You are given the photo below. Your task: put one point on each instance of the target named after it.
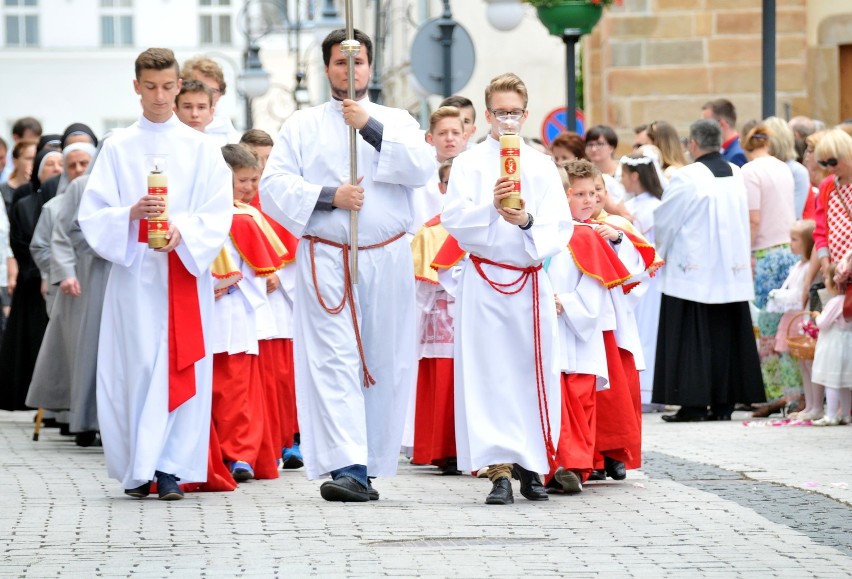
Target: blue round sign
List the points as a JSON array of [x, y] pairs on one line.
[[557, 122]]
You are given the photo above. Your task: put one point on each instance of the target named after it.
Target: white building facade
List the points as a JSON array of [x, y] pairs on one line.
[[67, 61]]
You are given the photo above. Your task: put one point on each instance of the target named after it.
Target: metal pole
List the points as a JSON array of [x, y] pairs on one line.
[[768, 73], [570, 38], [249, 116], [378, 48], [447, 25], [350, 48]]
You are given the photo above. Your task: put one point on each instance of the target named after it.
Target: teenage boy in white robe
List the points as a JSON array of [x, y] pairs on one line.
[[351, 399], [153, 398], [507, 392]]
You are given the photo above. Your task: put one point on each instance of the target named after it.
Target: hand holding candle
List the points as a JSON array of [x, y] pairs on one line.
[[510, 160], [158, 186]]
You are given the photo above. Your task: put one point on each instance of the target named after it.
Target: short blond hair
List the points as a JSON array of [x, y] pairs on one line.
[[205, 67], [508, 82], [442, 113], [834, 144]]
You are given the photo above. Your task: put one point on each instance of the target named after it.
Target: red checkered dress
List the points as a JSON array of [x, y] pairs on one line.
[[839, 221]]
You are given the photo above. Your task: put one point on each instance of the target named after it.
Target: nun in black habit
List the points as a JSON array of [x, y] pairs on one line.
[[28, 318]]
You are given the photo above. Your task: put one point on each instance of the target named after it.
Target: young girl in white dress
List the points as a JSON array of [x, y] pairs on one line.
[[787, 300], [833, 356], [639, 176]]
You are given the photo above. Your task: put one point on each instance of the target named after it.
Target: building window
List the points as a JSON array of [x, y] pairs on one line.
[[215, 22], [21, 22], [116, 22]]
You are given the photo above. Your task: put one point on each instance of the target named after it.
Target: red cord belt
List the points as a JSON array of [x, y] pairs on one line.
[[347, 290], [527, 273]]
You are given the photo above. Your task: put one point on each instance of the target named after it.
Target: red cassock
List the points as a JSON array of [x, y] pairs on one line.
[[576, 448], [280, 351], [276, 363], [434, 417], [245, 400], [239, 413], [580, 428], [619, 409]]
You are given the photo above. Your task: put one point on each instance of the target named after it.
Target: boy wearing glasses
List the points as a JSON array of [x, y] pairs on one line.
[[507, 395]]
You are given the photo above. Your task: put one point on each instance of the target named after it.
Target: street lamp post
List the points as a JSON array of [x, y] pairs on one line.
[[571, 37], [253, 80], [446, 24]]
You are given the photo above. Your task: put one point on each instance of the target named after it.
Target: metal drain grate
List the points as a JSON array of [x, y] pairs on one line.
[[451, 542]]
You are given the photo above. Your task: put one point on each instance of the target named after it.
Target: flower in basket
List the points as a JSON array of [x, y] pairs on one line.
[[549, 3], [809, 328]]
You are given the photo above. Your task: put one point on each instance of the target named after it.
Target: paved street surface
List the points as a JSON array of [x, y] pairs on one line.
[[714, 500]]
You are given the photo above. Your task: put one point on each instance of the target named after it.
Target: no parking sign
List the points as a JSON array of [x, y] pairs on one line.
[[557, 122]]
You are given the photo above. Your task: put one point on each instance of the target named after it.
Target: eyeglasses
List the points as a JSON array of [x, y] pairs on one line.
[[513, 113], [596, 144], [828, 163]]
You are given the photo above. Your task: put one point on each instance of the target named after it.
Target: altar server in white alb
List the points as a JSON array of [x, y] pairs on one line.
[[154, 369], [354, 344], [507, 393]]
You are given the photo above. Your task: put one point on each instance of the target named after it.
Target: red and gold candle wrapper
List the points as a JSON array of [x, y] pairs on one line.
[[510, 166], [158, 227]]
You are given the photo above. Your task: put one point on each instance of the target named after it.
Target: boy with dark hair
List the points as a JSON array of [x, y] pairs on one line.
[[154, 369], [194, 105]]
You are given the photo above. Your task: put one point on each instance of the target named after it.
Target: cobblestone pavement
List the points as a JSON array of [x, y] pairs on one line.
[[714, 500]]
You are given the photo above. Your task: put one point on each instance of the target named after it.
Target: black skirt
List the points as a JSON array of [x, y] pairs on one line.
[[21, 343], [706, 355]]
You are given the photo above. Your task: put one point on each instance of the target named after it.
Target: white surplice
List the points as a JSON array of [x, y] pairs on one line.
[[647, 309], [498, 419], [702, 231], [139, 434], [341, 422], [581, 343]]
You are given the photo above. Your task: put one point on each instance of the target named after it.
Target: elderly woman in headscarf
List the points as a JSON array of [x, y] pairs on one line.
[[76, 159], [28, 318]]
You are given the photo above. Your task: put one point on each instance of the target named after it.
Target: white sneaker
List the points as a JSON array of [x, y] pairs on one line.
[[810, 415], [569, 480], [826, 421]]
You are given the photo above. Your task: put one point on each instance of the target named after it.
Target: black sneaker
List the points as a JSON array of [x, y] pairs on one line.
[[374, 494], [139, 492], [167, 487], [501, 493], [344, 490], [531, 487]]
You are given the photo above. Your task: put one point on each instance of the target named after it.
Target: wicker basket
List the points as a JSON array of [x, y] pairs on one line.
[[801, 346]]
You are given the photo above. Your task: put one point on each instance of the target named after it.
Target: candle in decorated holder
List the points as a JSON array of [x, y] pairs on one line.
[[158, 184], [510, 159]]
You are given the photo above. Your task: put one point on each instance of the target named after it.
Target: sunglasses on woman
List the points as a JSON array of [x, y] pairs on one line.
[[828, 163]]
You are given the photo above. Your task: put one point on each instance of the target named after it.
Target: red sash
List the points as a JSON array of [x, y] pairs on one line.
[[186, 334]]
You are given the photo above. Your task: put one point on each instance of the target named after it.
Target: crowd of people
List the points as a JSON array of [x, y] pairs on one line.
[[200, 303]]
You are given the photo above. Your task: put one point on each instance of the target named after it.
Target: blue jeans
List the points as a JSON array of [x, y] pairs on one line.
[[356, 472]]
